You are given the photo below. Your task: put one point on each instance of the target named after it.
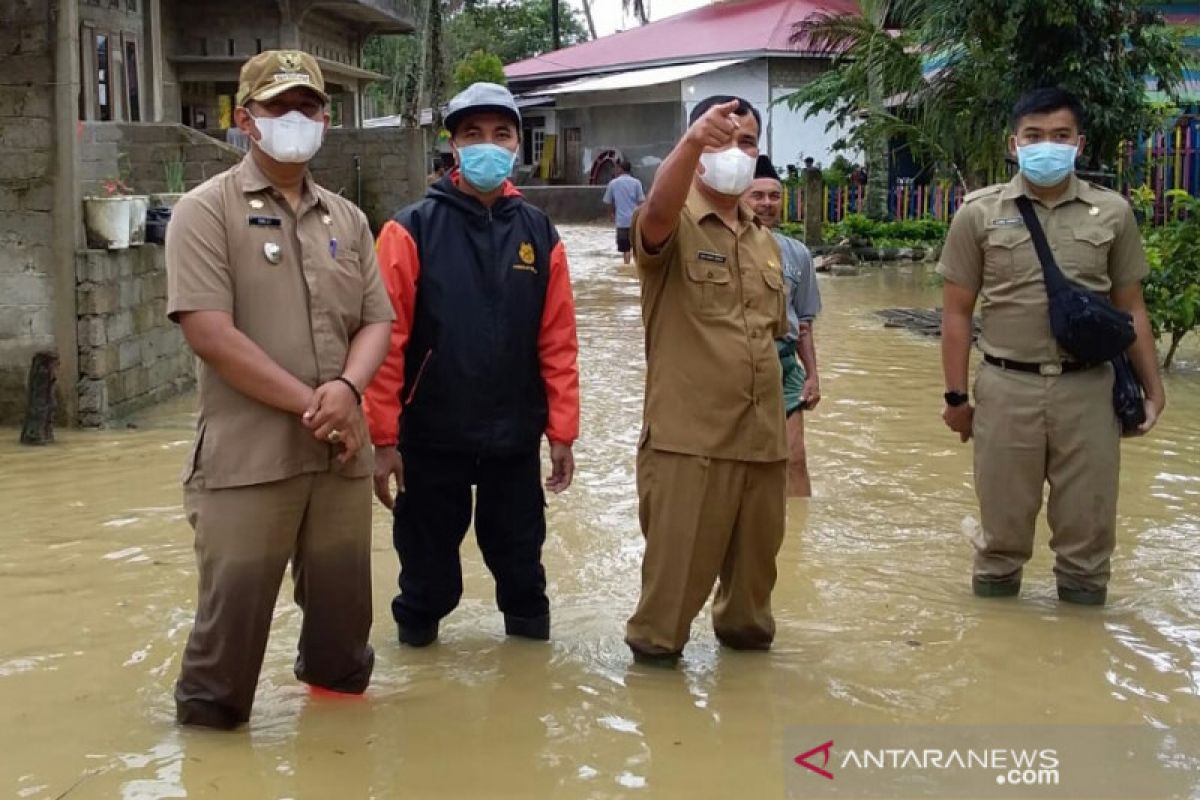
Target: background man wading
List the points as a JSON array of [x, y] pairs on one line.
[[801, 386]]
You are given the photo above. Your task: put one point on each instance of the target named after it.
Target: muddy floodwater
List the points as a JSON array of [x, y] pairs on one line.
[[877, 624]]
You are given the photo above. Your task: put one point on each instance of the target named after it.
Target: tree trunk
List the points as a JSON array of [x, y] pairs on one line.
[[39, 406], [435, 70], [1176, 336], [876, 201], [591, 23]]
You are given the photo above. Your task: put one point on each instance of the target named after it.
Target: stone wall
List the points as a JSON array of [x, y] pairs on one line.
[[136, 153], [565, 204], [130, 355], [27, 193], [390, 166]]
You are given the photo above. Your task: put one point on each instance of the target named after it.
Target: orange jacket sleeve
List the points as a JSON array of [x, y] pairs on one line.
[[400, 266], [558, 350]]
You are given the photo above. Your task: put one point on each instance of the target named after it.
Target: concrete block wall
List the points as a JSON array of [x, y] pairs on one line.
[[136, 152], [130, 355], [390, 167], [27, 173], [574, 204]]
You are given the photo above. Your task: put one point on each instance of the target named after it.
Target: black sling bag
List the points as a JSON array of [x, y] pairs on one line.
[[1089, 327]]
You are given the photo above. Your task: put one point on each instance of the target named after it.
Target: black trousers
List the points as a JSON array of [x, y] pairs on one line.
[[432, 516]]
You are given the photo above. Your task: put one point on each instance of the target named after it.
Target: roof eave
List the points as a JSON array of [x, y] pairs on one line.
[[570, 74]]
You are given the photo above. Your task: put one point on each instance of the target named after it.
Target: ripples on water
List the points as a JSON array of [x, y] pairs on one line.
[[876, 620]]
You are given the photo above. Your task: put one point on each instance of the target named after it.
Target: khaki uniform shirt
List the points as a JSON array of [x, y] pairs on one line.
[[1092, 233], [713, 305], [302, 311]]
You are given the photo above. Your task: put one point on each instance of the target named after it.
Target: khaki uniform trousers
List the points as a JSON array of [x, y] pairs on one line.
[[1030, 430], [704, 518], [245, 537]]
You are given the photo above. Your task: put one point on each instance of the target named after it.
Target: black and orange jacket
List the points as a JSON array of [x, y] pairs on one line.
[[483, 357]]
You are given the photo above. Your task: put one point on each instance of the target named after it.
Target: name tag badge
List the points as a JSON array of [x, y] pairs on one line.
[[1006, 222], [265, 222], [715, 258]]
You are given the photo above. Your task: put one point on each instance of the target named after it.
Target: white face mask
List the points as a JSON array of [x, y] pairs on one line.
[[728, 171], [291, 139]]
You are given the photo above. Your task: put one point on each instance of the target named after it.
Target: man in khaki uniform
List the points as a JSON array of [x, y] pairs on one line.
[[712, 454], [1039, 416], [275, 284]]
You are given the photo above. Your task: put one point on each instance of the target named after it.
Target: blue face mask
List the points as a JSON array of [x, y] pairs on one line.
[[486, 166], [1047, 163]]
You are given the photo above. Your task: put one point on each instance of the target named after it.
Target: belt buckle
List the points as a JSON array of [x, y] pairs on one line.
[[1050, 370]]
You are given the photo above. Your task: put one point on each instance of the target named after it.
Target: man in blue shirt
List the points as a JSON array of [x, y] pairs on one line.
[[624, 194], [801, 387]]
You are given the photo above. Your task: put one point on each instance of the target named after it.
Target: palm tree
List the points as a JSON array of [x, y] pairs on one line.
[[587, 15], [873, 63], [640, 9]]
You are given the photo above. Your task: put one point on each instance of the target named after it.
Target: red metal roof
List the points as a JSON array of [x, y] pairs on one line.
[[721, 30]]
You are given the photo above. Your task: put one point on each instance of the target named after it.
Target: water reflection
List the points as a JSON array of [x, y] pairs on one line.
[[876, 621]]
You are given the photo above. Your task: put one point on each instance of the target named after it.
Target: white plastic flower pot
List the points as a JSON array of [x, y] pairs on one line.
[[106, 220], [138, 204]]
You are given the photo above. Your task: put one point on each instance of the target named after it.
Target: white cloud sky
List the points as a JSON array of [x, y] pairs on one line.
[[609, 18]]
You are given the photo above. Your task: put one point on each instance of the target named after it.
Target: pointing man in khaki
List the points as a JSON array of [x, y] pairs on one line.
[[275, 284], [713, 452]]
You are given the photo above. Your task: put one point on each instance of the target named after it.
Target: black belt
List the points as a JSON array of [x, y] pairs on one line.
[[1053, 368]]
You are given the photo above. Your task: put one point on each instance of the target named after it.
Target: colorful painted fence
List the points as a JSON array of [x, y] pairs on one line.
[[905, 201], [1164, 161]]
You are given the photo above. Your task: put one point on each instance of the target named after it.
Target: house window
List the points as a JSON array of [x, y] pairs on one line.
[[132, 83], [539, 144], [131, 6], [103, 79]]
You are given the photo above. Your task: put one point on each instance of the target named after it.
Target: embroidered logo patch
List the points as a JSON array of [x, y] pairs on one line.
[[526, 253]]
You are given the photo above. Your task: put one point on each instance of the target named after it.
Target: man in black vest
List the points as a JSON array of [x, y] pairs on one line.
[[482, 363]]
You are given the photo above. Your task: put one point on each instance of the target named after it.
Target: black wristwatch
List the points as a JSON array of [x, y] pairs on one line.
[[955, 399]]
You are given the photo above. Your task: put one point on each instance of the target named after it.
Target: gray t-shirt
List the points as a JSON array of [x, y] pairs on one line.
[[804, 298], [624, 193]]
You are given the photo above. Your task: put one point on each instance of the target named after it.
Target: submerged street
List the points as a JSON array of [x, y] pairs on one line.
[[876, 621]]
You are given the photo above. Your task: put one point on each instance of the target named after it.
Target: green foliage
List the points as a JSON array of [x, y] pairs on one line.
[[173, 175], [858, 226], [398, 58], [479, 66], [1172, 289], [838, 173], [987, 53], [512, 29]]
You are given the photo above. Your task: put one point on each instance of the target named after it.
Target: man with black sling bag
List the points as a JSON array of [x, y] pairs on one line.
[[1043, 407]]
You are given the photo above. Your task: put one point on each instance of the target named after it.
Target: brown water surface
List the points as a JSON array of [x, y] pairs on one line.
[[876, 621]]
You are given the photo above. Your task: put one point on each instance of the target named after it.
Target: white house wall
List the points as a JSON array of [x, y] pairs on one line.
[[789, 136], [643, 123]]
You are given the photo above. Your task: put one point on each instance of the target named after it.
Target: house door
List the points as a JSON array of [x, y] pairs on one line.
[[573, 154]]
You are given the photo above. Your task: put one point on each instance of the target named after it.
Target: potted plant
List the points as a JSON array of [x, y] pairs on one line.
[[173, 174], [138, 205], [106, 216]]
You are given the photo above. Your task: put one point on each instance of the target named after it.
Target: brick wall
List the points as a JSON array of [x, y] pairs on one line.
[[27, 174], [390, 165], [130, 355]]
